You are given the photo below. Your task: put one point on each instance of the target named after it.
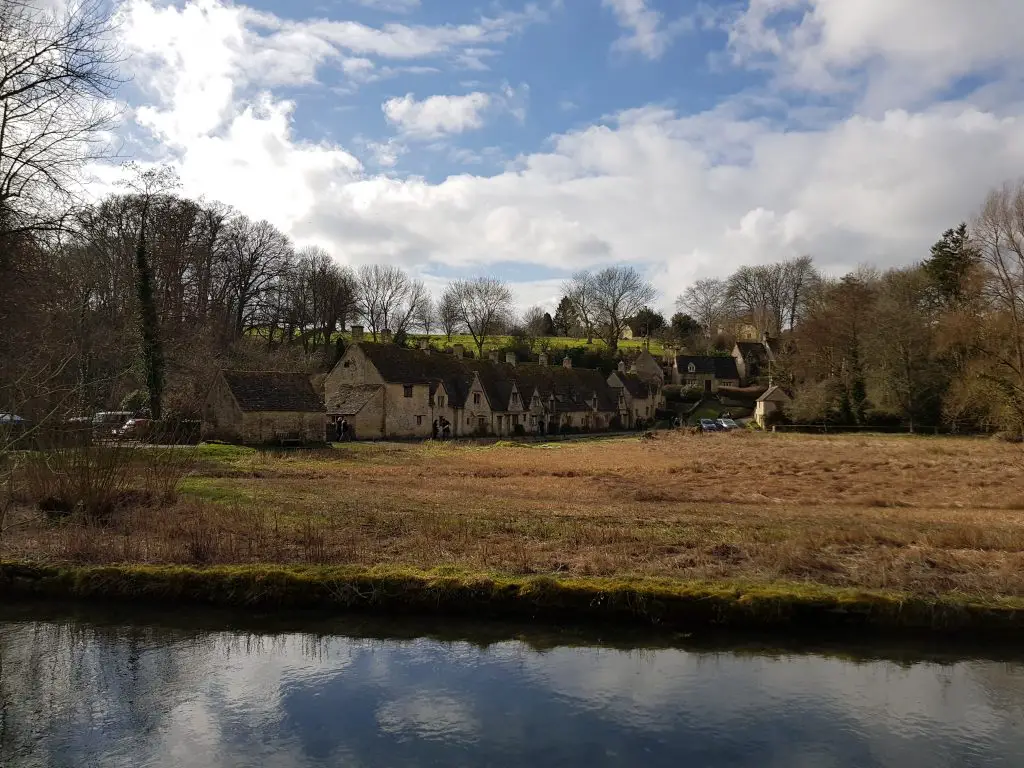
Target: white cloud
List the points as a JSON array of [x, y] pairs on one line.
[[645, 32], [683, 195], [899, 49], [392, 6], [437, 115]]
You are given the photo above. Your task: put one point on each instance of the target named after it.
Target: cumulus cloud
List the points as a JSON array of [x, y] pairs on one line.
[[681, 195], [437, 115]]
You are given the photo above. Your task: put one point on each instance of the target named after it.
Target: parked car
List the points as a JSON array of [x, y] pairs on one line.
[[709, 425], [135, 429], [728, 424], [106, 423]]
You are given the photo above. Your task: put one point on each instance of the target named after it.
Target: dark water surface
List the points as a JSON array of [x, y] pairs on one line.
[[78, 690]]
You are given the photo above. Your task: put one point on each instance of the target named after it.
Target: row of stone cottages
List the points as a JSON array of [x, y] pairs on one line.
[[388, 391]]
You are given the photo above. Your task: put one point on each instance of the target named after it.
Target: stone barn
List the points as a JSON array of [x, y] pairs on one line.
[[264, 408]]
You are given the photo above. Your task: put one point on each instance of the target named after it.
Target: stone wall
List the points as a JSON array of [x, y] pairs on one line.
[[222, 418], [408, 416], [267, 427]]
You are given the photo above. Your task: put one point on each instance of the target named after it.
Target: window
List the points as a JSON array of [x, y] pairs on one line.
[[440, 401], [647, 410], [476, 398], [515, 421], [419, 421], [407, 390], [482, 423], [515, 398], [691, 368]]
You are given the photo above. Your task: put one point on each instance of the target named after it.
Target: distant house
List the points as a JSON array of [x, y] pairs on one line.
[[773, 400], [705, 372], [754, 358], [648, 368], [385, 390], [263, 407], [638, 398]]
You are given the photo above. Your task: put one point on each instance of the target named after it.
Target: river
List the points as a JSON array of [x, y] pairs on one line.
[[79, 689]]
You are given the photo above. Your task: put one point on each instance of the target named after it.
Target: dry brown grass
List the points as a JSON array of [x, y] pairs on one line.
[[926, 515]]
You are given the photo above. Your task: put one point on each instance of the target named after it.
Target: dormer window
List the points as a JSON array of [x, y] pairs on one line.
[[691, 368], [476, 398]]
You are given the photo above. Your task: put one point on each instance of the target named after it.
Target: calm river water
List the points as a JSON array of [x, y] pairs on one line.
[[81, 691]]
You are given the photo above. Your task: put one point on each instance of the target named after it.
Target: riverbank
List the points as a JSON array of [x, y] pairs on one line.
[[739, 529], [659, 603]]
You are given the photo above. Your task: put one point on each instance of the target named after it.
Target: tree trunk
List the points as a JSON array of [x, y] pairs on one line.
[[152, 349]]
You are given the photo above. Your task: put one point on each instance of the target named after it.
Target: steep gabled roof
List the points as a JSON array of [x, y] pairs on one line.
[[772, 392], [349, 400], [273, 391], [635, 385], [753, 350]]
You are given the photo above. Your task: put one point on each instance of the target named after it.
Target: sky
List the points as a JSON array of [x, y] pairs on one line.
[[527, 140]]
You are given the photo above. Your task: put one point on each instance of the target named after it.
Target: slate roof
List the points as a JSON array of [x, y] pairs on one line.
[[770, 392], [719, 367], [273, 391], [349, 400], [635, 385], [753, 350], [573, 388]]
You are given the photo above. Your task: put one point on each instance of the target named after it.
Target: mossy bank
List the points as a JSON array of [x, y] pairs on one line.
[[665, 604]]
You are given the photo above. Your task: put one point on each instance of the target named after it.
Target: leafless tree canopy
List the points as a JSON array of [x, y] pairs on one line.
[[579, 290], [449, 314], [619, 293], [484, 307], [707, 301], [58, 70], [389, 299]]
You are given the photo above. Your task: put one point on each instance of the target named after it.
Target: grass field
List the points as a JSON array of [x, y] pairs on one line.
[[551, 342], [926, 516]]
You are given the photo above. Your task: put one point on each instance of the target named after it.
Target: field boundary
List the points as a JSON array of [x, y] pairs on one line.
[[661, 603]]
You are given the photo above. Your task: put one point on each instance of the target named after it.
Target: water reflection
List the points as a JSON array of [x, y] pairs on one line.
[[74, 693]]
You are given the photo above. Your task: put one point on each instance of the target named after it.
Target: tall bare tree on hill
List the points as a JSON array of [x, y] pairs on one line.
[[619, 293], [484, 307]]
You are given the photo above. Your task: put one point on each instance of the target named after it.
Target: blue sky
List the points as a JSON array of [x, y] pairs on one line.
[[528, 140]]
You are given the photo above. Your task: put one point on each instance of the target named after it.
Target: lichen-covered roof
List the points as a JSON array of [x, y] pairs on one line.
[[273, 391], [349, 400]]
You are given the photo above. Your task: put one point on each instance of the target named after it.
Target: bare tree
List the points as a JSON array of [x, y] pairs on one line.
[[427, 316], [619, 293], [707, 301], [799, 279], [388, 298], [258, 254], [484, 307], [580, 292], [58, 70], [534, 322], [448, 315]]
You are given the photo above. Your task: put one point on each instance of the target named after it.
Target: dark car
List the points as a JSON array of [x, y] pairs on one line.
[[709, 425]]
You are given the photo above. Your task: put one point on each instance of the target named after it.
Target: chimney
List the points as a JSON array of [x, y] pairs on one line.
[[458, 350], [510, 358], [567, 362], [542, 358], [493, 355], [357, 333], [622, 366], [385, 336]]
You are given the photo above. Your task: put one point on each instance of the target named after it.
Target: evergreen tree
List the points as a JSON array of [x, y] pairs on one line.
[[949, 264], [566, 319]]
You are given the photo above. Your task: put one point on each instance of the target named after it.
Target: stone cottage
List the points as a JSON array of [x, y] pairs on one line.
[[754, 359], [705, 372], [638, 398], [263, 407], [773, 400], [385, 390]]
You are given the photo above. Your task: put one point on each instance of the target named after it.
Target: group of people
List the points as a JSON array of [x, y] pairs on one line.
[[441, 428], [342, 430]]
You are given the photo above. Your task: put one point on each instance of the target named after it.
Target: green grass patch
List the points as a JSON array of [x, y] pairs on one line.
[[623, 601], [210, 489], [224, 451]]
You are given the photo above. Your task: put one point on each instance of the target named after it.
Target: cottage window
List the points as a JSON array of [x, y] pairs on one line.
[[476, 398], [440, 401], [482, 422], [691, 368], [419, 421], [407, 390], [515, 421]]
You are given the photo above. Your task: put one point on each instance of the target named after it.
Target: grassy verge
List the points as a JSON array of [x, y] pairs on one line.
[[663, 603]]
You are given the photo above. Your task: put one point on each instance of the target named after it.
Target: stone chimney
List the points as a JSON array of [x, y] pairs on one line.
[[385, 336], [493, 355], [567, 362], [542, 358], [510, 358], [357, 333], [622, 366], [458, 350]]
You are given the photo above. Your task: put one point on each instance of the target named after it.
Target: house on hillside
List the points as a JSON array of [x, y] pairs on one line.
[[385, 391], [754, 358], [705, 372], [773, 400], [263, 407], [638, 398]]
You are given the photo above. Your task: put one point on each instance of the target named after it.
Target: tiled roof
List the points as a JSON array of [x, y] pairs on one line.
[[753, 350], [635, 385], [573, 388], [771, 392], [349, 400], [720, 367], [273, 391]]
